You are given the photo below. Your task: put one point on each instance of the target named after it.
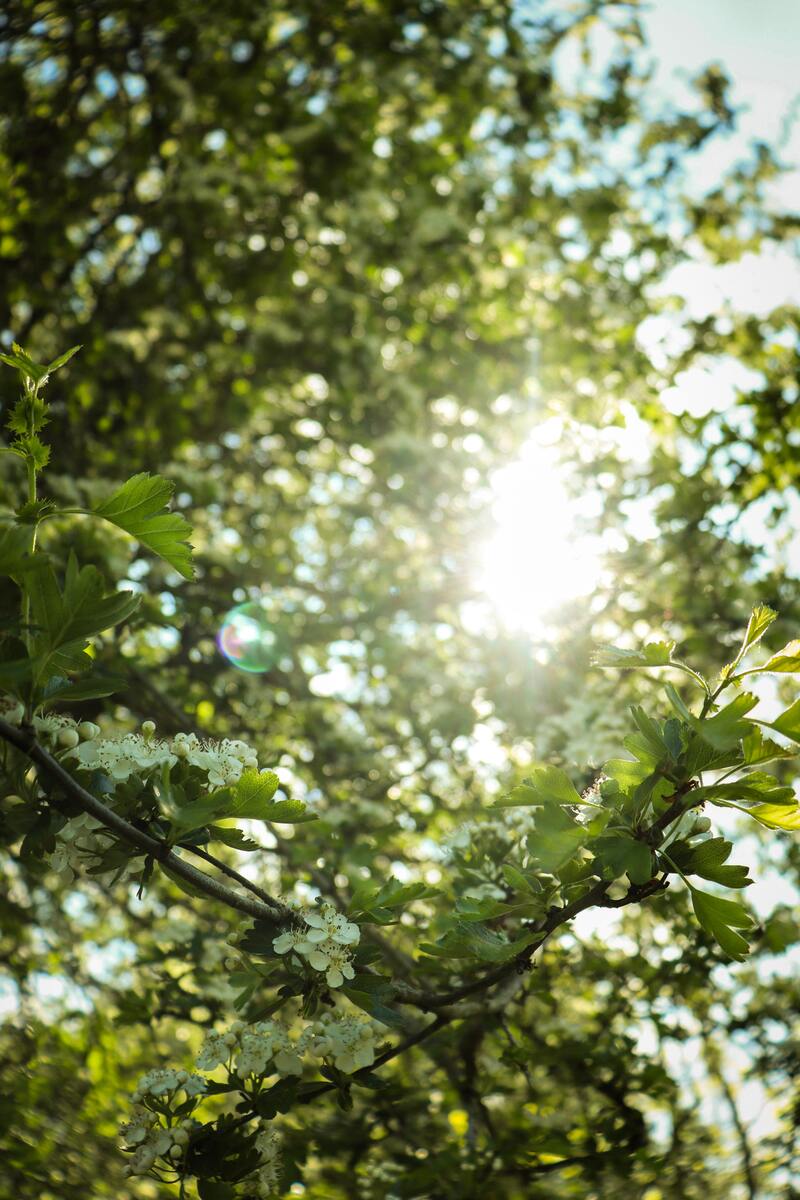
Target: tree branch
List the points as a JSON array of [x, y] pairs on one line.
[[25, 741]]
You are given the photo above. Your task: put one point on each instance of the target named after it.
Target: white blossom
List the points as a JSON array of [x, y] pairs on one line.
[[214, 1052], [268, 1177], [150, 1140], [324, 943], [221, 762], [349, 1041], [126, 756], [162, 1080]]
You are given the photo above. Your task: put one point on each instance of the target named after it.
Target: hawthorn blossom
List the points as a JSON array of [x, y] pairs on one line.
[[163, 1080], [268, 1176], [149, 1140], [349, 1041], [260, 1049], [323, 944]]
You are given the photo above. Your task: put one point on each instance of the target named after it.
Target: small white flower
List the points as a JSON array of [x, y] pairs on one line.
[[158, 1082], [214, 1052], [193, 1085], [286, 941]]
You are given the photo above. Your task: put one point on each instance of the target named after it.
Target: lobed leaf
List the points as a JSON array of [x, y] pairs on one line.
[[140, 508], [722, 918]]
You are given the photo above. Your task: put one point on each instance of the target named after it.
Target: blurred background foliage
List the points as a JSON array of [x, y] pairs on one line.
[[331, 266]]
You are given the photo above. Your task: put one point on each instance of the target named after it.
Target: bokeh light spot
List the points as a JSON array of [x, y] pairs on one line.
[[248, 640]]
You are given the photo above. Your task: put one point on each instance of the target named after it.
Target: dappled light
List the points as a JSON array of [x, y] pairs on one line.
[[399, 606]]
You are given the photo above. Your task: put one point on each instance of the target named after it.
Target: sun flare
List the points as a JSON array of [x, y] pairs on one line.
[[538, 557]]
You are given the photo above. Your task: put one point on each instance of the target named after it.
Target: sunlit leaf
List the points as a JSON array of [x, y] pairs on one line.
[[655, 654], [722, 918], [140, 508]]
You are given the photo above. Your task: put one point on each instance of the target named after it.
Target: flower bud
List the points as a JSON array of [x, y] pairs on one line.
[[68, 738], [88, 731], [148, 729], [701, 825], [180, 1137]]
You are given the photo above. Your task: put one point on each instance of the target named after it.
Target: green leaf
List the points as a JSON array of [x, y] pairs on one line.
[[89, 687], [287, 812], [758, 786], [678, 704], [370, 1003], [466, 940], [62, 359], [654, 654], [727, 728], [16, 559], [230, 836], [140, 508], [252, 794], [519, 880], [66, 620], [394, 894], [556, 838], [621, 855], [469, 908], [777, 816], [721, 918], [788, 723], [786, 661], [248, 799], [707, 860], [545, 783], [32, 447], [759, 749], [23, 362], [761, 618]]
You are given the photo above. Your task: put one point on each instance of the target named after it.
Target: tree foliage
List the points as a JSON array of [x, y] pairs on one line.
[[323, 269]]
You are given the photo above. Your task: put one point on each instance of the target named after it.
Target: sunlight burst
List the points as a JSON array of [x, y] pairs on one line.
[[538, 558]]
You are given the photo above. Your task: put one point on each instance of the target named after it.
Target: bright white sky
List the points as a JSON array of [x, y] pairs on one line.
[[757, 43]]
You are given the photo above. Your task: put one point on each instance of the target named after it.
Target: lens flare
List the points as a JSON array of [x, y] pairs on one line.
[[248, 641]]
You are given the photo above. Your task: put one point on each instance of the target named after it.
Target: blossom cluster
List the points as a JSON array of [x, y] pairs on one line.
[[61, 733], [323, 943], [349, 1042], [135, 754], [268, 1047], [149, 1139], [257, 1049], [152, 1134], [263, 1048], [141, 754], [121, 758], [163, 1081]]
